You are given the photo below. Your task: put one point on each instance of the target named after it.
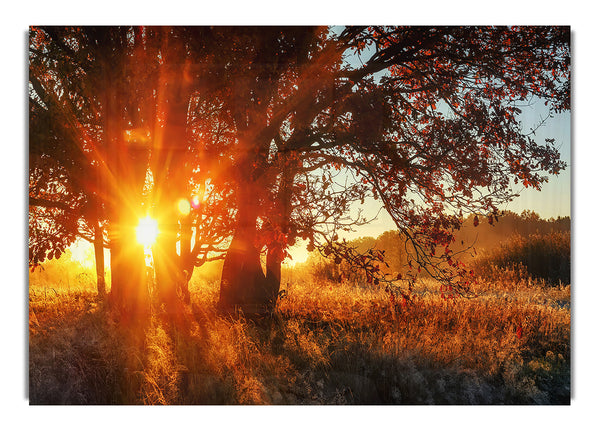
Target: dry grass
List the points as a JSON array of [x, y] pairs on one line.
[[328, 344]]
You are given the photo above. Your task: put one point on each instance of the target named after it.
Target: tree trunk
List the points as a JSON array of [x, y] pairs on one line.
[[129, 293], [166, 261], [273, 279], [186, 260], [244, 286], [128, 268], [99, 258], [127, 161], [243, 282], [169, 168]]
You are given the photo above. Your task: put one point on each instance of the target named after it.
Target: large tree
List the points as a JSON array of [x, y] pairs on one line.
[[428, 123], [283, 134], [91, 114]]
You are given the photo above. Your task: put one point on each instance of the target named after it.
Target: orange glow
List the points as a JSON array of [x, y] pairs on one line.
[[147, 231], [183, 205], [136, 136]]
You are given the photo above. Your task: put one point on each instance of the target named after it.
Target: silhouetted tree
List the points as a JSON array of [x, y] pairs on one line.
[[63, 194]]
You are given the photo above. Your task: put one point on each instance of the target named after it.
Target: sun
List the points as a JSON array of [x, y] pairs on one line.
[[146, 231]]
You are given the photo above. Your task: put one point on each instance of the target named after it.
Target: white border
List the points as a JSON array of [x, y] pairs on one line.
[[581, 15]]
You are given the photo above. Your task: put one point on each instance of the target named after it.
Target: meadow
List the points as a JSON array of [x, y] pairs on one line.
[[328, 343]]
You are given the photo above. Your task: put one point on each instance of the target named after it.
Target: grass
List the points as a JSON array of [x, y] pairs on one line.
[[328, 344]]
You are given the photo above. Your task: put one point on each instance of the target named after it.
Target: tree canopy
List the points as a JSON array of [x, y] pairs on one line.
[[276, 132]]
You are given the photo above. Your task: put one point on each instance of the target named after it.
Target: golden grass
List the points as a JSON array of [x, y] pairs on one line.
[[328, 344]]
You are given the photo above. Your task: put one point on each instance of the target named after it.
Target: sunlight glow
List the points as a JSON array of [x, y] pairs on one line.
[[146, 231], [83, 253], [184, 207], [136, 136]]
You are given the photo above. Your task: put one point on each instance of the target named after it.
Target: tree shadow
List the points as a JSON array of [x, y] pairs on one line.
[[85, 357]]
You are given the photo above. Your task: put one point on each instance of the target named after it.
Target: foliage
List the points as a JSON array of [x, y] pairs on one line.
[[63, 196]]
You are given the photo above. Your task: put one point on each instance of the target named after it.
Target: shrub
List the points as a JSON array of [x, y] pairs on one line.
[[540, 256]]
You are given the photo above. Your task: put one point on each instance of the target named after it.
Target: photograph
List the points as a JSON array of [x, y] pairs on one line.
[[226, 215]]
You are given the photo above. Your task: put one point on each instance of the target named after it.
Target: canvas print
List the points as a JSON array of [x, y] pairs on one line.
[[373, 215]]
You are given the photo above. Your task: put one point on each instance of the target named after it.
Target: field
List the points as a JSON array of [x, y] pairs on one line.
[[328, 343]]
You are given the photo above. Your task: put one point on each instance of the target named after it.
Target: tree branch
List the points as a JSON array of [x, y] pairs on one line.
[[38, 202]]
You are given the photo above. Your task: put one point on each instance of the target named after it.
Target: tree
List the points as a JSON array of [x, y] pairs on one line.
[[64, 203], [109, 112], [285, 136], [78, 79], [435, 137]]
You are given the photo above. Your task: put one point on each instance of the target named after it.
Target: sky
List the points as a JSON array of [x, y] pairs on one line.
[[555, 198]]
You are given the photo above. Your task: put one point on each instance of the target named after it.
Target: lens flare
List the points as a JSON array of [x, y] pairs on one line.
[[146, 231], [196, 202], [184, 206]]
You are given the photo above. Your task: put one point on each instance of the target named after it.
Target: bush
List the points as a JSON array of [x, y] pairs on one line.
[[540, 256]]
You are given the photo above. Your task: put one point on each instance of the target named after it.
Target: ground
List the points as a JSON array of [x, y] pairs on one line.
[[327, 344]]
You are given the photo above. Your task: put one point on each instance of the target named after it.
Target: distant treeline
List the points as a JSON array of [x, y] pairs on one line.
[[486, 237], [524, 243]]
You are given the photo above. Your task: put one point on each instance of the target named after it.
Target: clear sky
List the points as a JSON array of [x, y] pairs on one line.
[[555, 197]]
